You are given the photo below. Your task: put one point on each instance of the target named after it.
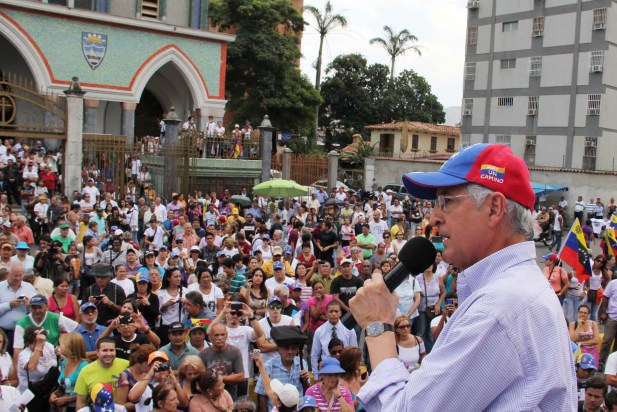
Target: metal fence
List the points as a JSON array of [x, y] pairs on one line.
[[305, 169]]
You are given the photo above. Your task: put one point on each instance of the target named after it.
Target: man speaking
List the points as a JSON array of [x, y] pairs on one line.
[[506, 348]]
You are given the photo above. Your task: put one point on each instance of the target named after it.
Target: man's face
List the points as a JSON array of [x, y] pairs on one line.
[[325, 269], [177, 338], [197, 337], [464, 245], [191, 308], [7, 251], [38, 312], [106, 354], [334, 314], [101, 281], [346, 270], [88, 317], [584, 373], [279, 274], [288, 353], [593, 399], [365, 230], [366, 267], [218, 336]]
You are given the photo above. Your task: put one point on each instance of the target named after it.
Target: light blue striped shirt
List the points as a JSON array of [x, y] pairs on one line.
[[506, 348], [8, 316]]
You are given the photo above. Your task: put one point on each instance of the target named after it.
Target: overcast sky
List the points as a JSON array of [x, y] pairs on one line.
[[438, 24]]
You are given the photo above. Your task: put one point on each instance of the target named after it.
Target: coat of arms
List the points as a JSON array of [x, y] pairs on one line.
[[94, 47]]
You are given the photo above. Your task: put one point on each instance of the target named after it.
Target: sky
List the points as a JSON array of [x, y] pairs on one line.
[[440, 26]]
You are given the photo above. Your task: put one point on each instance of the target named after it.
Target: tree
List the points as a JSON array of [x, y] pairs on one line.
[[262, 77], [324, 24], [396, 45]]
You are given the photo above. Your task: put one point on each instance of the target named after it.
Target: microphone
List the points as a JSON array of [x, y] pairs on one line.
[[415, 257]]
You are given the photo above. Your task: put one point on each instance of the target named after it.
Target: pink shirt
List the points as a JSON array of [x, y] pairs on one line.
[[312, 302], [322, 403]]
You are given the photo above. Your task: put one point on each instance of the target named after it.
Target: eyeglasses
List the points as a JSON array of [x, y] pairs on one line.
[[583, 312], [235, 313], [407, 326], [386, 237], [441, 199], [275, 307], [599, 260]]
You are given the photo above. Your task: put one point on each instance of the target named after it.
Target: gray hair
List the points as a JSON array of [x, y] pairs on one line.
[[283, 290], [519, 217]]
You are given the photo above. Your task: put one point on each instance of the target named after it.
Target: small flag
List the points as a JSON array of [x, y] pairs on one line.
[[575, 252]]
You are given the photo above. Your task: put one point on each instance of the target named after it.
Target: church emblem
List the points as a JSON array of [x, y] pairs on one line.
[[94, 46]]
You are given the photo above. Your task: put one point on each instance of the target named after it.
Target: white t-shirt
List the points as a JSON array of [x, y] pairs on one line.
[[5, 365], [436, 319], [92, 191], [46, 362], [378, 229], [209, 299], [172, 314], [9, 397], [271, 283], [126, 284], [265, 325], [611, 367], [241, 337]]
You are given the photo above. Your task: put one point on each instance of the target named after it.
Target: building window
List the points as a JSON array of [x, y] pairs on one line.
[[593, 104], [532, 105], [509, 26], [503, 139], [465, 140], [472, 35], [508, 63], [535, 66], [150, 8], [386, 143], [589, 156], [467, 107], [538, 27], [451, 142], [530, 150], [505, 101], [470, 71], [599, 19], [433, 143], [415, 141], [596, 61], [57, 2], [84, 4]]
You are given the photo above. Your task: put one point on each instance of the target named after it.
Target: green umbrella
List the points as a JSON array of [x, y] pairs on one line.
[[279, 188], [240, 200]]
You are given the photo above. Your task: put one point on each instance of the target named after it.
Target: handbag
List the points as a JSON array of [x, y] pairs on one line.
[[46, 385], [430, 310]]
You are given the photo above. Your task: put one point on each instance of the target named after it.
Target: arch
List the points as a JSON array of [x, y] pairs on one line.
[[188, 70], [29, 50]]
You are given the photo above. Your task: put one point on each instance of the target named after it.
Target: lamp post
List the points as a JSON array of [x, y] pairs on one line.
[[267, 134], [73, 155]]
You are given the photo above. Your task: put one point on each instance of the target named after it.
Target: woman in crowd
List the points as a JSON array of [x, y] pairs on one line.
[[210, 393], [352, 379], [399, 241], [433, 293], [137, 370], [256, 294], [307, 291], [73, 350], [122, 280], [386, 266], [410, 348], [346, 232], [390, 248], [574, 297], [61, 301], [33, 362], [329, 394], [147, 303], [586, 333], [144, 393], [599, 277], [91, 255], [265, 248], [190, 368], [6, 362], [171, 301], [165, 399], [212, 294], [115, 218]]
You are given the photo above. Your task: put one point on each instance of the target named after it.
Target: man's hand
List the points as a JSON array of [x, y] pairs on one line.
[[304, 375], [374, 302]]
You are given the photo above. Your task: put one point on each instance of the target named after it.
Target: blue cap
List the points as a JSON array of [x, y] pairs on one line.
[[38, 300], [307, 402], [173, 256], [274, 299], [221, 253], [278, 265], [163, 248], [142, 277], [87, 305], [587, 361], [288, 250], [296, 286], [331, 366]]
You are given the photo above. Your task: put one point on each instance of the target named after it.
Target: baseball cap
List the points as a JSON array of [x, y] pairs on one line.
[[163, 248], [307, 402], [118, 232], [493, 166], [193, 248], [102, 396], [234, 211], [278, 265], [266, 237], [157, 355], [287, 393], [274, 299], [221, 253], [346, 261], [277, 250], [38, 300], [296, 286], [142, 277], [196, 326], [176, 327], [587, 361], [288, 250], [173, 256], [331, 366], [87, 305], [64, 226], [550, 256]]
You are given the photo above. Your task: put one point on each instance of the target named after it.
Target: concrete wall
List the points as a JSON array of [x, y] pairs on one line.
[[583, 184]]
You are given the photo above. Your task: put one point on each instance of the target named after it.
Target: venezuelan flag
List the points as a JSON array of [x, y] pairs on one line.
[[238, 149], [498, 172], [610, 242], [613, 222], [576, 253]]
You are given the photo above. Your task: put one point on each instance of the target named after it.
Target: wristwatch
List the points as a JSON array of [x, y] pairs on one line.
[[377, 328]]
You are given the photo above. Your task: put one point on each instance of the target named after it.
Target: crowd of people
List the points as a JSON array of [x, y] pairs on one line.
[[200, 304]]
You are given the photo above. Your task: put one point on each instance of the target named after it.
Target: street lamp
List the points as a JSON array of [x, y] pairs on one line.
[[267, 135]]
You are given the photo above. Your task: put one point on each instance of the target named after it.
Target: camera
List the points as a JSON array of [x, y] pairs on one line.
[[450, 301], [237, 306], [99, 297], [163, 366]]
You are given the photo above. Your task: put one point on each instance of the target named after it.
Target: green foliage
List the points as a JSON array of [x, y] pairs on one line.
[[396, 44], [356, 95], [364, 150], [262, 77]]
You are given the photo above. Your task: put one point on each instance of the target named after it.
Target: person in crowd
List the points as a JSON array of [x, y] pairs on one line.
[[279, 278], [197, 337], [333, 328], [585, 368], [274, 318], [171, 301], [325, 275], [107, 296], [88, 329], [345, 286], [226, 359], [599, 277], [14, 300], [138, 370], [276, 260], [177, 348], [439, 322], [594, 395], [586, 333], [329, 394], [147, 303], [432, 293], [256, 294], [73, 350], [63, 302], [556, 275], [500, 289], [190, 368], [195, 308], [350, 360], [210, 393], [212, 294], [410, 348]]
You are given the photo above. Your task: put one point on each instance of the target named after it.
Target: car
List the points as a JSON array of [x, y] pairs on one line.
[[400, 191]]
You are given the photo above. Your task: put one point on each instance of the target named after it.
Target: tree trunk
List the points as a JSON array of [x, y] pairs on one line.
[[318, 84]]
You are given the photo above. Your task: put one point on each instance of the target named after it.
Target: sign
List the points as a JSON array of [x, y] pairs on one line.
[[94, 46]]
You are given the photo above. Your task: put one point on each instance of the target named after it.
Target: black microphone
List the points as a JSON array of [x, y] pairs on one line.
[[415, 257]]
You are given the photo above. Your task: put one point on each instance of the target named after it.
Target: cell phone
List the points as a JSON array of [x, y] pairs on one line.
[[450, 301], [236, 306], [21, 297], [163, 366], [99, 297], [364, 375]]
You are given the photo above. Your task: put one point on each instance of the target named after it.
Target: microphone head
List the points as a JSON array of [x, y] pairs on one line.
[[417, 255]]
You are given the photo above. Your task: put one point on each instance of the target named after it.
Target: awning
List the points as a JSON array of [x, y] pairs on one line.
[[543, 189]]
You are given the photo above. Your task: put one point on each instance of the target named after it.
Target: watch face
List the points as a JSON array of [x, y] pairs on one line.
[[374, 329]]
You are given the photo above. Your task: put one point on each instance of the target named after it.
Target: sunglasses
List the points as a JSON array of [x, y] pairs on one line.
[[274, 307], [235, 313], [407, 326], [336, 352]]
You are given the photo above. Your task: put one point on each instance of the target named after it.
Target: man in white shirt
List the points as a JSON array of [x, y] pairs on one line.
[[378, 227], [274, 318], [91, 189], [579, 209], [153, 235], [87, 203], [210, 127]]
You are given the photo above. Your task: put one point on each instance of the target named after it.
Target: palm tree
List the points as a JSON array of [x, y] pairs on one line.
[[324, 24], [396, 45]]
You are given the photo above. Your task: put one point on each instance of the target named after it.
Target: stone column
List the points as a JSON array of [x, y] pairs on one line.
[[332, 170], [74, 135], [369, 173], [128, 122], [266, 131], [287, 152], [172, 146], [90, 115]]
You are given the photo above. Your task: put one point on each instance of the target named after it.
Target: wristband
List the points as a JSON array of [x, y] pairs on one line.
[[252, 319]]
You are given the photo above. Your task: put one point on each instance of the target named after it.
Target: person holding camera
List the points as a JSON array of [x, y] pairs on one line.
[[50, 263], [438, 322], [107, 296]]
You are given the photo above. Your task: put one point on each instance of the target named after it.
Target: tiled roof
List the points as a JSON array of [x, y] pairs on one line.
[[417, 127]]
